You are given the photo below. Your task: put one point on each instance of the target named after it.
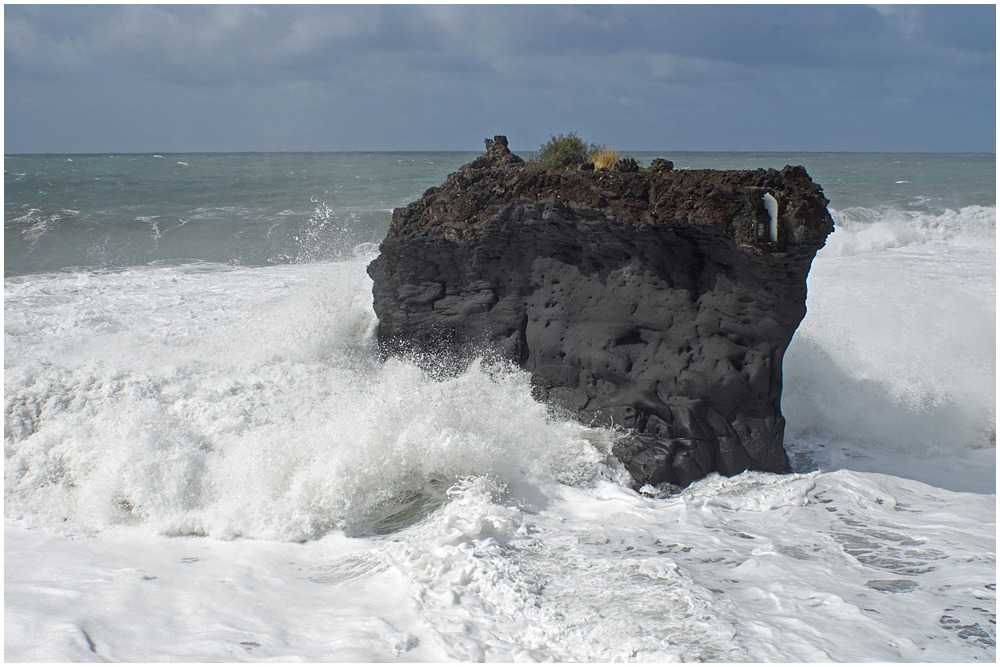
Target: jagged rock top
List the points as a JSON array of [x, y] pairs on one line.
[[497, 155], [731, 199]]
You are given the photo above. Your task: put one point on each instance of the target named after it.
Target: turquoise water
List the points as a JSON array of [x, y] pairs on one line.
[[243, 209], [107, 211]]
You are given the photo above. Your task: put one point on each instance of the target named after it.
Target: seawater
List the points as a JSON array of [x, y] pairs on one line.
[[100, 211], [205, 461]]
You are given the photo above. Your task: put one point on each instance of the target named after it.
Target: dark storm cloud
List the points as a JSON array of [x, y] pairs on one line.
[[257, 77]]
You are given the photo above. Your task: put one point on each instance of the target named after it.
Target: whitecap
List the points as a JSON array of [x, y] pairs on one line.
[[862, 230]]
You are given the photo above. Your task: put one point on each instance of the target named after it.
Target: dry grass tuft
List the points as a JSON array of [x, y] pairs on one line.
[[604, 158]]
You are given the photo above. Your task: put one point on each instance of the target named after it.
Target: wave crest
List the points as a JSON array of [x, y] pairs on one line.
[[860, 230]]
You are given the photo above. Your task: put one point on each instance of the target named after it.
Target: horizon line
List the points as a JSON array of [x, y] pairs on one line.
[[366, 152]]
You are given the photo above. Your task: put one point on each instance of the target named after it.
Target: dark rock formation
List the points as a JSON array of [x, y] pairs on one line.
[[658, 301]]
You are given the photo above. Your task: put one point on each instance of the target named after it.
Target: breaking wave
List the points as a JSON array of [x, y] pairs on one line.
[[270, 420], [860, 230]]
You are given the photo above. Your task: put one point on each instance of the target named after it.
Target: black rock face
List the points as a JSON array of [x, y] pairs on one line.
[[660, 302]]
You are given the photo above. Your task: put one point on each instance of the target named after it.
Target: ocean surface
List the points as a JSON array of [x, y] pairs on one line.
[[204, 460]]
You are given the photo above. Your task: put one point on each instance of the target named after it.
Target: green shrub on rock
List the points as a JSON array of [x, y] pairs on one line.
[[562, 152]]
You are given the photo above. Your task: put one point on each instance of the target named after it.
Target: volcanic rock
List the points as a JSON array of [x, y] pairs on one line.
[[660, 302]]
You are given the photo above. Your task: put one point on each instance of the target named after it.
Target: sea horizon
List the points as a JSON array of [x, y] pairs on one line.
[[393, 152]]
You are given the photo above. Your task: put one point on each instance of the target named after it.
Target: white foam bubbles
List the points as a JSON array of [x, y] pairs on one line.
[[497, 583], [861, 230], [248, 403], [236, 402], [894, 366]]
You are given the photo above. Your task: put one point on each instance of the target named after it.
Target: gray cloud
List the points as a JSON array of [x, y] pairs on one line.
[[411, 77]]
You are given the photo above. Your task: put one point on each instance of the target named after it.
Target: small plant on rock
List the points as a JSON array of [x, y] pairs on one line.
[[562, 152], [604, 158]]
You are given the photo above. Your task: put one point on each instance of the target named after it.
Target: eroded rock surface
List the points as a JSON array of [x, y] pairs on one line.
[[658, 301]]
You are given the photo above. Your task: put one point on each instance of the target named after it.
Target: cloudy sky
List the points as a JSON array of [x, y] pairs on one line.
[[158, 78]]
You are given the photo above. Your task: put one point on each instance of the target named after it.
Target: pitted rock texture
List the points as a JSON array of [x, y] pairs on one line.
[[654, 301]]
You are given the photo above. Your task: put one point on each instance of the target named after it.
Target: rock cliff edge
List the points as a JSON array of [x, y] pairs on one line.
[[657, 301]]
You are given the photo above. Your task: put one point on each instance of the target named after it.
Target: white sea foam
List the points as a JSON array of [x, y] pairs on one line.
[[36, 223], [208, 403], [894, 367], [861, 230], [31, 214], [756, 568], [270, 421], [895, 362]]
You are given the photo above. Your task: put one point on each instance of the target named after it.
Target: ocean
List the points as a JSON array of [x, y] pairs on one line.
[[204, 460]]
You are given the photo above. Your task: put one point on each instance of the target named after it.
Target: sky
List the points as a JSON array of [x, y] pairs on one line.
[[192, 78]]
